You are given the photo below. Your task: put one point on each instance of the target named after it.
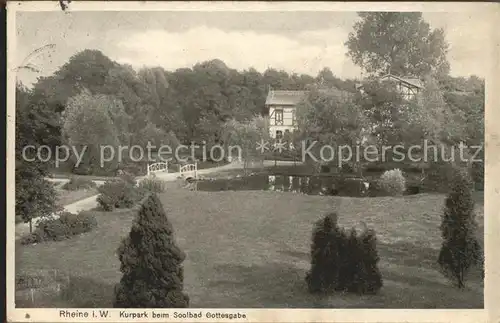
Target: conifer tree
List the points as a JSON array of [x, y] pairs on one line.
[[151, 262], [343, 261], [323, 275], [460, 249], [371, 276]]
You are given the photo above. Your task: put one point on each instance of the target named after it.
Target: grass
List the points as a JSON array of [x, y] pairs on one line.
[[65, 197], [251, 249]]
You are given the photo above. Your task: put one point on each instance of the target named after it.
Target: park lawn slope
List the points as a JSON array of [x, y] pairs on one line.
[[251, 249]]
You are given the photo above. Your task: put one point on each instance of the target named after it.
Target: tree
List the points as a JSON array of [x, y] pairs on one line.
[[86, 69], [460, 249], [371, 278], [151, 262], [331, 117], [325, 260], [384, 109], [399, 43], [94, 121], [341, 261], [245, 136], [35, 197], [466, 98]]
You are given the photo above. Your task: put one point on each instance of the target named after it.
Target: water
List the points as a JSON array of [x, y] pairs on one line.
[[311, 185]]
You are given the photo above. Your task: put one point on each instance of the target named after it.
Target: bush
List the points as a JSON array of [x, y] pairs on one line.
[[341, 261], [460, 249], [134, 168], [128, 178], [121, 193], [323, 275], [353, 186], [62, 228], [413, 189], [375, 189], [151, 262], [393, 182], [152, 185], [78, 183]]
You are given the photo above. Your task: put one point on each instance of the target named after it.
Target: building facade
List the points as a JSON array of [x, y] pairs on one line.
[[281, 106], [408, 87]]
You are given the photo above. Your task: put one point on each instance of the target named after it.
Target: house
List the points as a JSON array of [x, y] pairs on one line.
[[408, 86], [281, 106]]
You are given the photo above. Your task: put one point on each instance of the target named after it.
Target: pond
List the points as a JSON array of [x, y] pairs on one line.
[[311, 185]]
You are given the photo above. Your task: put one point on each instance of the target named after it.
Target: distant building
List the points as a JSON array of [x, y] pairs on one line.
[[409, 87], [281, 106]]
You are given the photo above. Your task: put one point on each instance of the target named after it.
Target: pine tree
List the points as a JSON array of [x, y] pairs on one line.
[[150, 262], [350, 261], [345, 261], [460, 249], [371, 276], [323, 275]]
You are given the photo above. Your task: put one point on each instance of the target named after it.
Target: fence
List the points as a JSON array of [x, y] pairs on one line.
[[157, 167]]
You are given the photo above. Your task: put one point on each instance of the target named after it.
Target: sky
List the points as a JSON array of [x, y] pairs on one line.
[[295, 41]]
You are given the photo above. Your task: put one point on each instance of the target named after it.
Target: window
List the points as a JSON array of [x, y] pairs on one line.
[[408, 93], [278, 117], [294, 118]]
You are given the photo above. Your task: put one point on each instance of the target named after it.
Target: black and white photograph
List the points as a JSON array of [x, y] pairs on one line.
[[248, 156]]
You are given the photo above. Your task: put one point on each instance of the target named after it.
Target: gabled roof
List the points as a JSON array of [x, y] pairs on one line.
[[412, 81], [279, 97]]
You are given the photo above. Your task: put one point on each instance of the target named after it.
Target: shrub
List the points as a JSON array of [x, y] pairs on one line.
[[352, 186], [152, 185], [62, 228], [375, 189], [78, 183], [393, 182], [134, 168], [363, 250], [119, 193], [324, 255], [413, 189], [128, 178], [460, 249], [151, 262], [341, 261]]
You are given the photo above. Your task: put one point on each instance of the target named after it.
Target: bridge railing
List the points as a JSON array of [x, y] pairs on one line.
[[157, 167], [189, 168]]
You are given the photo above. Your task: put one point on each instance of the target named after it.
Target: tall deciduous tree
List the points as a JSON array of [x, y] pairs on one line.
[[402, 43], [94, 121], [35, 197], [331, 117]]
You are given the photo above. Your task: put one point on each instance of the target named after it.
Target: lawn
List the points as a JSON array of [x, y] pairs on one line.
[[65, 197], [251, 249]]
